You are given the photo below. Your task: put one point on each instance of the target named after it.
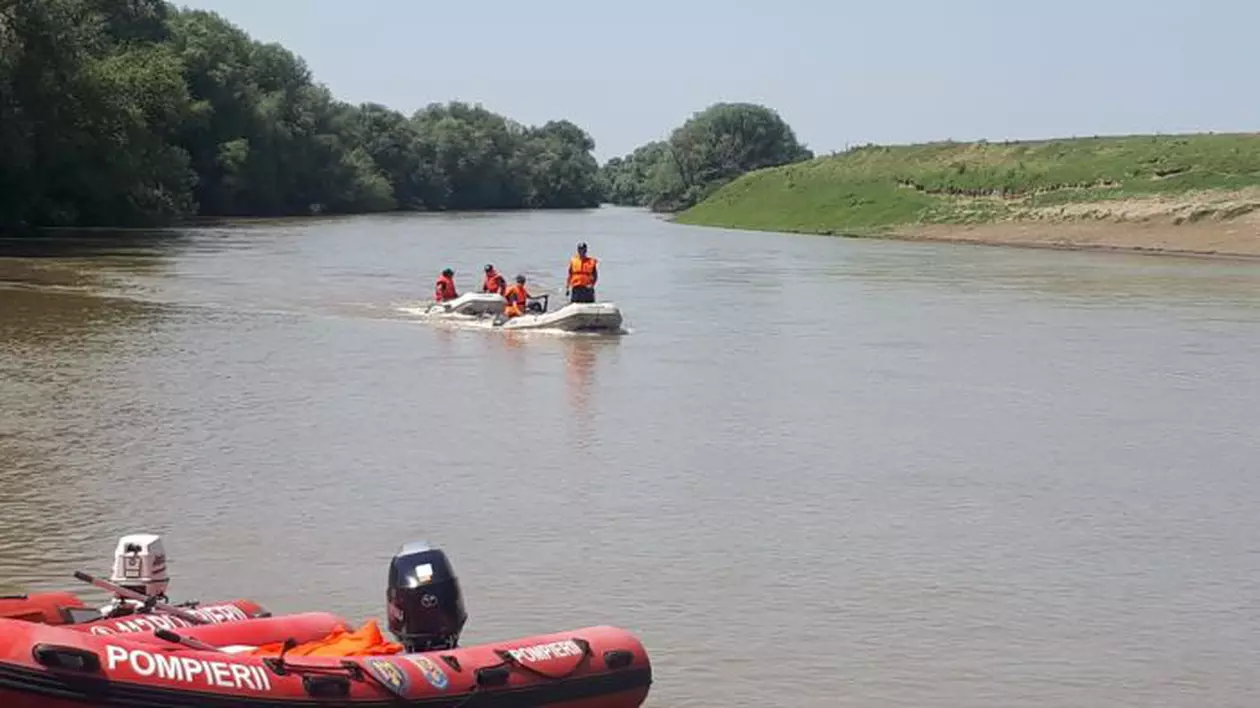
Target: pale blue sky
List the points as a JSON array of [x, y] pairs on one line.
[[891, 71]]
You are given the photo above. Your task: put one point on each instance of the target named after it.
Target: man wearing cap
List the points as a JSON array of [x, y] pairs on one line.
[[583, 274], [494, 283], [445, 288], [517, 298]]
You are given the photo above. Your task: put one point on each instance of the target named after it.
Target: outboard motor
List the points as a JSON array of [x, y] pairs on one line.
[[426, 607], [139, 566]]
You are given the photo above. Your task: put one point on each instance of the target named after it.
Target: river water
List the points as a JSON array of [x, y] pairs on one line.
[[817, 471]]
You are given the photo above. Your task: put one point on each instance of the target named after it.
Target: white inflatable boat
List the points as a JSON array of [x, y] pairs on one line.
[[573, 317], [469, 305]]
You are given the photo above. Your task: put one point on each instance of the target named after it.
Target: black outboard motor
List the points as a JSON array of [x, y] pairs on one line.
[[426, 607]]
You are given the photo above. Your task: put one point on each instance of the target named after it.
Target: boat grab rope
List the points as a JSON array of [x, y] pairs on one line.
[[346, 669], [509, 662], [352, 670]]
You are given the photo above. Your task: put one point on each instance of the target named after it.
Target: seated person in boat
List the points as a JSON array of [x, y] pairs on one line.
[[583, 274], [494, 283], [517, 297], [445, 289]]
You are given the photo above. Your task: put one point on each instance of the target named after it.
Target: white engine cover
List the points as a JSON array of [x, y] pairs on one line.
[[140, 564]]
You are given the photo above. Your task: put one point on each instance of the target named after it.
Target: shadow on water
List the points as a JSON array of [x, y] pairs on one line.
[[59, 353], [91, 243], [100, 261], [1070, 278]]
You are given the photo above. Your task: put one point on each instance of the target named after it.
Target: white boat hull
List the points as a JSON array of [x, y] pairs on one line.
[[573, 317], [470, 305]]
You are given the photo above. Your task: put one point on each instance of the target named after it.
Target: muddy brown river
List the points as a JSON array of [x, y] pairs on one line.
[[817, 471]]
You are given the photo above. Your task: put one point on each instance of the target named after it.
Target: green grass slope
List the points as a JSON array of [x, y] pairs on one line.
[[873, 188]]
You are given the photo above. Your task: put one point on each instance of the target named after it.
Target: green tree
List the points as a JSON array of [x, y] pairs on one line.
[[627, 180], [559, 168], [391, 141], [710, 149], [87, 107], [131, 111], [471, 148]]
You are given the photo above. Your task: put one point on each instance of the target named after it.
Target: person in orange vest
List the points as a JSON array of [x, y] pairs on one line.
[[494, 283], [583, 274], [517, 297], [445, 288]]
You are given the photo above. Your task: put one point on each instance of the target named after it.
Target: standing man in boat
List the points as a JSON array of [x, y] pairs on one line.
[[445, 288], [583, 274], [494, 283]]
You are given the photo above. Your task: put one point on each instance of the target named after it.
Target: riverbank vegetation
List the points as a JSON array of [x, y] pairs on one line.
[[134, 112], [1172, 180], [709, 150]]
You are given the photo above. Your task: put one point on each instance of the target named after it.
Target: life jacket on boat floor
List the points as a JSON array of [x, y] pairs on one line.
[[364, 641]]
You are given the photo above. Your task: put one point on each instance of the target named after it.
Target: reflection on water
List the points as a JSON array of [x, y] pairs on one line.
[[1062, 277], [579, 360], [933, 475], [101, 262], [581, 365], [57, 354], [93, 245]]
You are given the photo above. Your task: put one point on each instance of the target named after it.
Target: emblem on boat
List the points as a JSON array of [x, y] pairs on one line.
[[388, 672], [431, 671]]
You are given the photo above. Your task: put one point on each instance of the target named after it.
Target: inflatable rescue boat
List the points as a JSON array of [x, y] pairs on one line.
[[51, 658], [593, 317], [67, 609], [138, 584], [469, 305]]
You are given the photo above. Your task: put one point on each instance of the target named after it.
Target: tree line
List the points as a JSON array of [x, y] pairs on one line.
[[135, 112], [710, 149]]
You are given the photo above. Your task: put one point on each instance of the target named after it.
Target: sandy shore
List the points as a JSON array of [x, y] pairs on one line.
[[1235, 240], [1218, 224]]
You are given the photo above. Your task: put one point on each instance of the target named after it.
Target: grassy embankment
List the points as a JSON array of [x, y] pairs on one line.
[[1187, 193]]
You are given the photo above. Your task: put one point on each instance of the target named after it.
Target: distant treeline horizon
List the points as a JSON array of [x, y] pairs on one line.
[[139, 113]]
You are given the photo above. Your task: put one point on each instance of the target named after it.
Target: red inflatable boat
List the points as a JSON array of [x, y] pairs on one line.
[[44, 666], [56, 653], [138, 584], [64, 608]]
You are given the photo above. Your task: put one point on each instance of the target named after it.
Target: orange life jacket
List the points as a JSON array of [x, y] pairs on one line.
[[516, 296], [364, 641], [582, 272], [445, 289], [494, 283]]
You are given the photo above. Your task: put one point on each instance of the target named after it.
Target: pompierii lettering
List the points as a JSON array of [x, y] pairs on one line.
[[545, 652], [216, 614], [188, 669]]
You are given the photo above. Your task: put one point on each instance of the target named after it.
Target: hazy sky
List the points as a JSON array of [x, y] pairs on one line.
[[883, 71]]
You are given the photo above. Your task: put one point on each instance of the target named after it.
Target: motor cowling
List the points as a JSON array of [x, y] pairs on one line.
[[425, 605], [140, 565]]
